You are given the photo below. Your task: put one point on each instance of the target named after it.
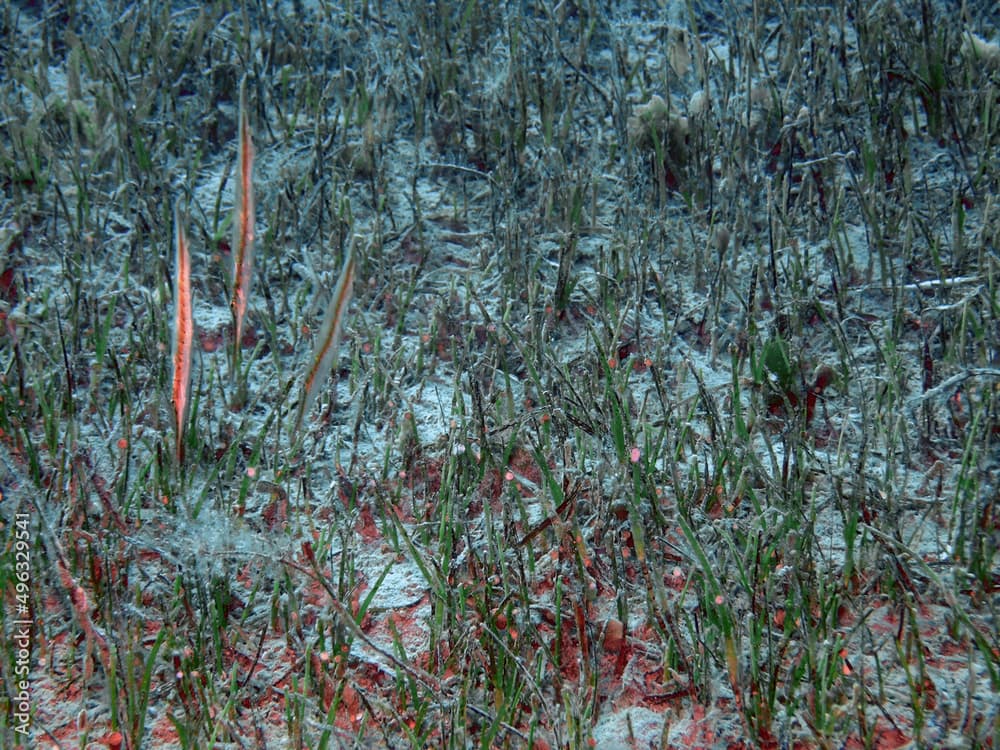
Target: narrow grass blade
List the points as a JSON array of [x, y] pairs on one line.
[[183, 332], [325, 352], [243, 229]]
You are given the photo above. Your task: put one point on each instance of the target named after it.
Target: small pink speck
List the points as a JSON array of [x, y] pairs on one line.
[[509, 476], [720, 599], [634, 455], [251, 471]]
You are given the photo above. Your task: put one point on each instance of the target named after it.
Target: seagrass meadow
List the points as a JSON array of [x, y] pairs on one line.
[[499, 374]]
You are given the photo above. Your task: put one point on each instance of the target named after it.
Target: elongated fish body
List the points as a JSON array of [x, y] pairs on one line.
[[243, 228], [183, 332], [325, 352]]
